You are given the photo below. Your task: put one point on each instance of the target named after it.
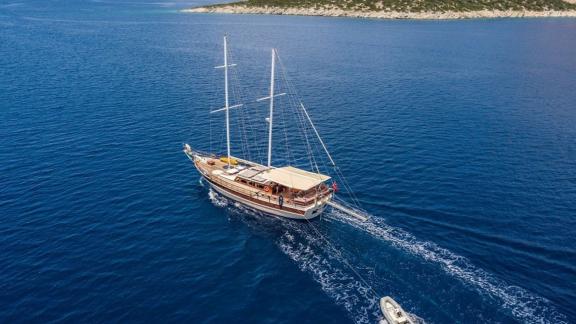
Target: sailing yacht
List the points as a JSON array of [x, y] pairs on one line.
[[285, 191]]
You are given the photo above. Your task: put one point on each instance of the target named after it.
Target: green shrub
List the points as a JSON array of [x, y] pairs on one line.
[[414, 5]]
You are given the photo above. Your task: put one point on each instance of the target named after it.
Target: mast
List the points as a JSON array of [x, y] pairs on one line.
[[227, 105], [270, 119]]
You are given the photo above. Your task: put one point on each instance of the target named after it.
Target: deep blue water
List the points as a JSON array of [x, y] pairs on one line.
[[457, 136]]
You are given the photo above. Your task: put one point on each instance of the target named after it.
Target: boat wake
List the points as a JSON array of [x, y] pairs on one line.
[[522, 304], [310, 252], [313, 256], [216, 199]]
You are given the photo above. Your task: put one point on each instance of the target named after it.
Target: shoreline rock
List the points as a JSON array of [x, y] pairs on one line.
[[337, 12]]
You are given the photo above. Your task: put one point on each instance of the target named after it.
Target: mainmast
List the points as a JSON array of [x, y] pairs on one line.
[[270, 119], [271, 97], [227, 105]]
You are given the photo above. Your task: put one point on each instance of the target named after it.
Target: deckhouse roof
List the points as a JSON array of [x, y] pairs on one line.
[[295, 178]]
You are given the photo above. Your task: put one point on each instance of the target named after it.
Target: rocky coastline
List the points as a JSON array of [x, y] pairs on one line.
[[238, 8]]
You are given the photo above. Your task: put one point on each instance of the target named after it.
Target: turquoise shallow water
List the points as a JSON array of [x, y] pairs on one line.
[[457, 136]]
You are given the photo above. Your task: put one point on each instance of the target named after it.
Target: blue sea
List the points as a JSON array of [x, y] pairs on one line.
[[458, 137]]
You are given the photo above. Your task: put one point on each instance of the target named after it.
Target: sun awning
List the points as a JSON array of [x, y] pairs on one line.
[[295, 178]]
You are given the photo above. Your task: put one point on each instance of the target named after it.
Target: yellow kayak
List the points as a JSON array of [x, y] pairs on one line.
[[232, 160]]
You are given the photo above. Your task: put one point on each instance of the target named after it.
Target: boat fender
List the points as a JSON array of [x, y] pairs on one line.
[[280, 201]]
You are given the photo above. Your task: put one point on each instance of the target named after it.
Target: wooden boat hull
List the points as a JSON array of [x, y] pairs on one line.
[[253, 199], [285, 212]]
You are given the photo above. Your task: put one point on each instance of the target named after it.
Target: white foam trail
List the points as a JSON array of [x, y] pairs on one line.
[[523, 305], [314, 257], [311, 255], [216, 199]]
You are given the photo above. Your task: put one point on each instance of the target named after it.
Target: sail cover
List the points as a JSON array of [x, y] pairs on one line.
[[295, 178]]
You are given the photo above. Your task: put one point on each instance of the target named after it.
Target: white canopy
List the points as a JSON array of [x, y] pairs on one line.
[[295, 178]]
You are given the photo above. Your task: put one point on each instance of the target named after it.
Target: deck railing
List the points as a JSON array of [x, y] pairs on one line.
[[255, 194]]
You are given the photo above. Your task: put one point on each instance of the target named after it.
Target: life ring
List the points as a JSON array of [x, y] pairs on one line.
[[267, 189]]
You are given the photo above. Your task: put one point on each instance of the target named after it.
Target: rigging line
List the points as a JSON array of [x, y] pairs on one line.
[[307, 125], [304, 135], [289, 118], [303, 125], [314, 144], [221, 142], [262, 126], [234, 92], [240, 118], [210, 127], [349, 190], [317, 135], [311, 157], [314, 147], [282, 107], [255, 138], [348, 187], [336, 168], [344, 260], [214, 92], [217, 97], [313, 150], [246, 129], [249, 133], [284, 122], [258, 140]]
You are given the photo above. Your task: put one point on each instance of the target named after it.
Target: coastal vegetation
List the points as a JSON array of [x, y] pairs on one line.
[[408, 5]]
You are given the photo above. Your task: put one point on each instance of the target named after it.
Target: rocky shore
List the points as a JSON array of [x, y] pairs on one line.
[[338, 12]]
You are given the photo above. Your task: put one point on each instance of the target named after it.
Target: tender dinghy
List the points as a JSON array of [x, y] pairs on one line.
[[393, 313]]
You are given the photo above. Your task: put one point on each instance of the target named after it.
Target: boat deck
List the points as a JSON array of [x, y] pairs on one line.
[[217, 171]]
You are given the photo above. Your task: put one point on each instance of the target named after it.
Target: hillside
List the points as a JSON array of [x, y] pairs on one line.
[[414, 6], [418, 9]]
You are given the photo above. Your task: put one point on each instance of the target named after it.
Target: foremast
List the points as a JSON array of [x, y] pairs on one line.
[[227, 106], [271, 118], [271, 113]]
